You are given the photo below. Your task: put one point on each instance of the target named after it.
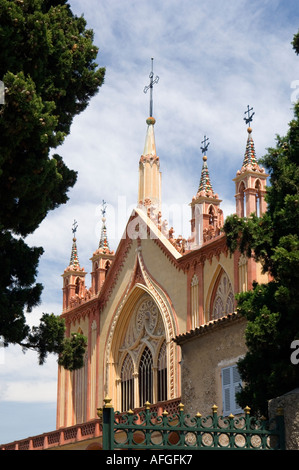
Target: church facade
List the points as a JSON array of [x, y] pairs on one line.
[[159, 315]]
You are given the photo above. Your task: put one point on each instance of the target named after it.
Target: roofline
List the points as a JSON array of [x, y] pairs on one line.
[[208, 328]]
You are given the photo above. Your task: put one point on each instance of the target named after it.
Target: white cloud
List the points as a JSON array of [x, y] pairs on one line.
[[23, 380], [26, 391]]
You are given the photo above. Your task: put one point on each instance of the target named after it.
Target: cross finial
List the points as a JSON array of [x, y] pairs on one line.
[[150, 87], [205, 143], [249, 117], [104, 206], [74, 227]]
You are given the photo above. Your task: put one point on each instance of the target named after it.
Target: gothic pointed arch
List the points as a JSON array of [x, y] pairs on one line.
[[220, 299], [258, 197], [194, 301], [242, 189], [144, 320], [127, 383]]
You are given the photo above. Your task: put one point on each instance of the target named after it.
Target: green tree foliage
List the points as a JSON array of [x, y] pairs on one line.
[[47, 64], [272, 309]]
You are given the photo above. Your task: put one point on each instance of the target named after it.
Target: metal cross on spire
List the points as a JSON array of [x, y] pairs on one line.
[[104, 206], [249, 117], [150, 87], [205, 143], [74, 227]]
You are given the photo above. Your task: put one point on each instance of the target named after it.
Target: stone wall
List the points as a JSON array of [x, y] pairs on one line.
[[205, 352], [289, 405]]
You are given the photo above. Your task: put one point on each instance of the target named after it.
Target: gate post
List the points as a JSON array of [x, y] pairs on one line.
[[290, 404], [108, 425], [281, 428]]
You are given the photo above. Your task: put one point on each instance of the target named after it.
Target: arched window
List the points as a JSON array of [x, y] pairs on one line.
[[258, 198], [162, 373], [211, 216], [77, 286], [242, 199], [223, 302], [107, 266], [143, 358], [127, 384], [194, 302], [146, 377], [243, 262]]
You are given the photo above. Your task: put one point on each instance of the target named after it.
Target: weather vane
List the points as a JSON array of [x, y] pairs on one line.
[[205, 143], [74, 227], [249, 117], [150, 87], [104, 206]]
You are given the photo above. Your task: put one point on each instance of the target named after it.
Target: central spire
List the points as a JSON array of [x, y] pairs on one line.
[[149, 190], [150, 142]]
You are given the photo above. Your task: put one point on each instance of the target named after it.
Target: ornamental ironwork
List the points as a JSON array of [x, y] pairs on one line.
[[179, 431]]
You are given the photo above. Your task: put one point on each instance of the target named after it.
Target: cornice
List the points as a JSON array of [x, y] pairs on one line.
[[205, 252], [80, 311]]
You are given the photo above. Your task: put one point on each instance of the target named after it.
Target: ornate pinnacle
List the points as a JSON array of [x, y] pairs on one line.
[[103, 243], [74, 261], [205, 182], [249, 157]]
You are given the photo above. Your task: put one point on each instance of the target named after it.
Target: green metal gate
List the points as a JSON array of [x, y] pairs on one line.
[[147, 430]]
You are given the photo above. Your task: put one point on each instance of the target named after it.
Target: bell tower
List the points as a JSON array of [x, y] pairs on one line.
[[250, 181], [73, 276], [207, 217]]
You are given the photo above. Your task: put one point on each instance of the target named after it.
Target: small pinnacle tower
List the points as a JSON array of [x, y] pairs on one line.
[[207, 217], [251, 180], [102, 257], [74, 275]]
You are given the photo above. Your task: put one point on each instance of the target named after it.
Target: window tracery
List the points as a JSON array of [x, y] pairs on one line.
[[143, 357], [224, 298], [145, 377]]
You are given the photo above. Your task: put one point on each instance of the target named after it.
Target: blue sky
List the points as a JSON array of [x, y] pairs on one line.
[[213, 59]]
